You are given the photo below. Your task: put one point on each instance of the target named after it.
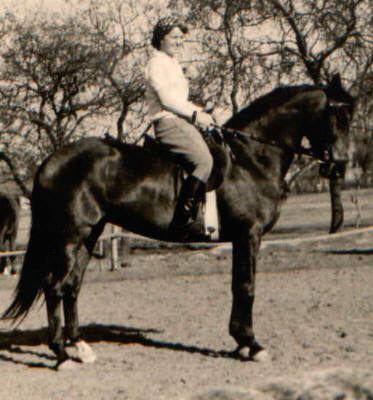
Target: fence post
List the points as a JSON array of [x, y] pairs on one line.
[[114, 249]]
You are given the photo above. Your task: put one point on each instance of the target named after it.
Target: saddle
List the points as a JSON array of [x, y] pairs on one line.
[[218, 149], [208, 213]]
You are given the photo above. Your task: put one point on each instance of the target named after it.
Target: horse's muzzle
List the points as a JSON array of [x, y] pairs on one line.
[[333, 169]]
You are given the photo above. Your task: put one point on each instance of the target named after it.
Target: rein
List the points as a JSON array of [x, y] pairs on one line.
[[235, 132], [301, 150]]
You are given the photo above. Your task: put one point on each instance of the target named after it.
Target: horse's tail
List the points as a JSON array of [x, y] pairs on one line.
[[29, 286]]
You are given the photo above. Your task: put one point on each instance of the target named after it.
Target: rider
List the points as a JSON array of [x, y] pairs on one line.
[[175, 120]]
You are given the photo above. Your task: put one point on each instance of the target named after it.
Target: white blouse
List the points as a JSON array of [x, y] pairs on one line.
[[167, 88]]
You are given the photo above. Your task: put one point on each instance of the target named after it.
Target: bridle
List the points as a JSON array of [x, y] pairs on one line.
[[324, 156], [300, 150]]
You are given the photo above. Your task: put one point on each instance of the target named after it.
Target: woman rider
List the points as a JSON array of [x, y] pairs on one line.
[[175, 120]]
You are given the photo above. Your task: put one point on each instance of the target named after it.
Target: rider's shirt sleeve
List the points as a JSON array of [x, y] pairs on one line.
[[165, 77]]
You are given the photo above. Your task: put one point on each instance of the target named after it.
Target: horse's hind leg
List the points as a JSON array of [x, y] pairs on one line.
[[79, 258], [7, 264], [53, 289], [12, 247], [70, 305], [3, 265], [61, 287], [55, 334]]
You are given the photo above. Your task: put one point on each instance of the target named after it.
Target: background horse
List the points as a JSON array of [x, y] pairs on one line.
[[9, 219], [80, 188]]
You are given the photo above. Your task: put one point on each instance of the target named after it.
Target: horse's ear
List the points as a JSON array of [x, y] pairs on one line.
[[336, 81], [336, 91]]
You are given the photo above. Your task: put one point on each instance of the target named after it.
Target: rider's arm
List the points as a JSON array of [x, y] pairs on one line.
[[166, 79]]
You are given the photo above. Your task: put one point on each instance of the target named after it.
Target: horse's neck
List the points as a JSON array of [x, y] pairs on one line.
[[264, 154]]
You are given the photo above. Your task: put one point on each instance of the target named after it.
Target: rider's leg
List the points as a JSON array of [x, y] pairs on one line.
[[186, 143], [187, 208]]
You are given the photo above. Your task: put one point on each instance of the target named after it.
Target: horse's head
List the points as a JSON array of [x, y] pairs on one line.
[[329, 137], [287, 115]]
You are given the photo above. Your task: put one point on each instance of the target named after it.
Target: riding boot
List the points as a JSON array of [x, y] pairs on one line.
[[186, 211]]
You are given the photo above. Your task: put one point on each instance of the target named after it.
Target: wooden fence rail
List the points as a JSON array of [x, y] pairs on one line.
[[114, 248], [217, 247], [12, 253]]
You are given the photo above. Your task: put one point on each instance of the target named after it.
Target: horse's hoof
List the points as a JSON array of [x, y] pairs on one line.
[[261, 356], [255, 353], [67, 365], [85, 353], [244, 353]]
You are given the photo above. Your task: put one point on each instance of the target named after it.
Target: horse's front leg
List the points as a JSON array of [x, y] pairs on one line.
[[245, 251]]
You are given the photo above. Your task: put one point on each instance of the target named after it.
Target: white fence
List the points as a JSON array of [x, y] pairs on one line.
[[217, 247]]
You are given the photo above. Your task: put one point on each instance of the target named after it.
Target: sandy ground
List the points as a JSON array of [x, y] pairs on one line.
[[159, 326]]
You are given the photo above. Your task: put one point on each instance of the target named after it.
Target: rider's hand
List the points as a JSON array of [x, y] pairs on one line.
[[220, 115], [204, 120]]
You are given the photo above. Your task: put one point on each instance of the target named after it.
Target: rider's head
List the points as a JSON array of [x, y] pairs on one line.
[[167, 32]]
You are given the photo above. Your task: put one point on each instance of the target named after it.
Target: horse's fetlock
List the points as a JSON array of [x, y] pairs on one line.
[[58, 349], [242, 334]]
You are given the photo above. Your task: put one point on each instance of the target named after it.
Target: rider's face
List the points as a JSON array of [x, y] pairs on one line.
[[173, 42]]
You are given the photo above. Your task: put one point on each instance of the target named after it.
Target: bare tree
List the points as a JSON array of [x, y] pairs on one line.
[[230, 60], [358, 61], [303, 40], [317, 33], [51, 83], [123, 27]]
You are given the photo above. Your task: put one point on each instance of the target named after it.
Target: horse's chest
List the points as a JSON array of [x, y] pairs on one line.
[[247, 205]]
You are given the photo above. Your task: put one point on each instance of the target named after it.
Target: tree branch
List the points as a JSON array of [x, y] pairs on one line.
[[25, 191]]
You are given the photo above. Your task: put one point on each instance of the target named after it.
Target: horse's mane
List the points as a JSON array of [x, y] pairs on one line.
[[281, 95], [263, 104]]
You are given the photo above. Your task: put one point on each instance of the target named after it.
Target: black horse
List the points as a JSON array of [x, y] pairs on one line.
[[94, 181], [9, 219]]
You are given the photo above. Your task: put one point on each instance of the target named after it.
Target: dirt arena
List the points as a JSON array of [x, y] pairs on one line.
[[159, 325]]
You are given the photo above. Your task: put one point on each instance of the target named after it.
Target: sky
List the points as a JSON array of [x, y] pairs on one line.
[[24, 7]]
